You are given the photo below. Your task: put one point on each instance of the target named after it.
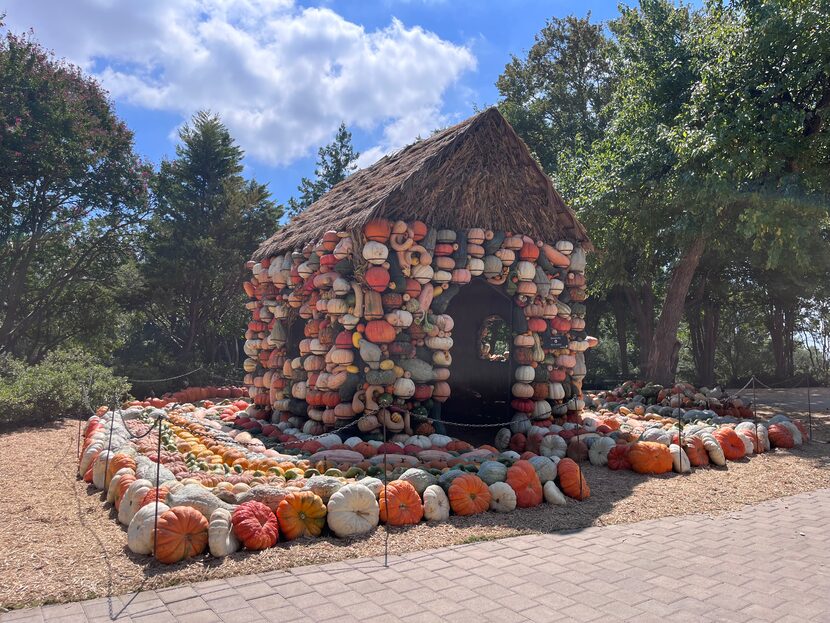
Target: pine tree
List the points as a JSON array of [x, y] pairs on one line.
[[335, 162]]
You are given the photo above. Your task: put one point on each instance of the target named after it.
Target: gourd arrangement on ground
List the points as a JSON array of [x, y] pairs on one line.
[[225, 485]]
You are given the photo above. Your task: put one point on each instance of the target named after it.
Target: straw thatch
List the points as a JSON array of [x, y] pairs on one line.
[[478, 173]]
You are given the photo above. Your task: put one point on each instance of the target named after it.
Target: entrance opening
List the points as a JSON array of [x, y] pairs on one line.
[[481, 374]]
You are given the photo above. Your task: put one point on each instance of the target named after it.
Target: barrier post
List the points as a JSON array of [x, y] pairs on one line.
[[158, 475], [385, 500], [809, 408]]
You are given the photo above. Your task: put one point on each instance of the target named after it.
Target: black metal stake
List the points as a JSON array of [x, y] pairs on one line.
[[78, 451], [809, 408], [109, 450], [385, 500], [158, 475]]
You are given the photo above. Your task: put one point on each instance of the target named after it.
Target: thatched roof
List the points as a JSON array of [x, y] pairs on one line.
[[478, 173]]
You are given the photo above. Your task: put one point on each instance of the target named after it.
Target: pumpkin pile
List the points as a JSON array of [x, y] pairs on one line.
[[681, 401], [363, 314], [222, 488]]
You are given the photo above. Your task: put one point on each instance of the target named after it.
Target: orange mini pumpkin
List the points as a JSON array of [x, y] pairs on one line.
[[469, 495], [522, 478], [400, 504], [301, 514], [572, 481], [182, 533]]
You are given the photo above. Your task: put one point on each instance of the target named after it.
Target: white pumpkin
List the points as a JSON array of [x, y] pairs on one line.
[[352, 510], [553, 495], [713, 448], [520, 423], [375, 485], [141, 528], [525, 374], [436, 504], [598, 452], [545, 468], [679, 459], [99, 469], [439, 441], [553, 446], [749, 445], [418, 478], [502, 497], [132, 497], [112, 490], [422, 441]]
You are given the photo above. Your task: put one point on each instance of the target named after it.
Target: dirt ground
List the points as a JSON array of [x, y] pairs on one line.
[[59, 542]]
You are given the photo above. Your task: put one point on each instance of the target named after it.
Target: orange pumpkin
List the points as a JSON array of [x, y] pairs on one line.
[[522, 478], [400, 504], [572, 481], [123, 484], [618, 457], [380, 332], [733, 448], [469, 495], [378, 230], [150, 496], [182, 533], [780, 436], [695, 450], [119, 461], [650, 457], [301, 514]]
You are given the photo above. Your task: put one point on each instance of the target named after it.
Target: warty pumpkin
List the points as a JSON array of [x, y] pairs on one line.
[[301, 514], [469, 495], [255, 525], [182, 533], [400, 504]]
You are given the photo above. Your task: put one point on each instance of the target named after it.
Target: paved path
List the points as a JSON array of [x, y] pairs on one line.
[[769, 562]]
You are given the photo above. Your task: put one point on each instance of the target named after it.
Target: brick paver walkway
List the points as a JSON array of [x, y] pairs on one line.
[[769, 562]]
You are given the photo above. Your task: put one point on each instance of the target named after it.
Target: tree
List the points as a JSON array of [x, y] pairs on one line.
[[72, 197], [554, 97], [208, 220], [335, 162]]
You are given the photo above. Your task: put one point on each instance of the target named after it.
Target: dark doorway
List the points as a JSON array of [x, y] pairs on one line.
[[480, 376]]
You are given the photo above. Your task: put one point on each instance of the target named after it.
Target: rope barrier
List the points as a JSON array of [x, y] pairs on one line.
[[172, 378]]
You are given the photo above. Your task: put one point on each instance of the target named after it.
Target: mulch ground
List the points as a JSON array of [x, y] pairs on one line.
[[59, 542]]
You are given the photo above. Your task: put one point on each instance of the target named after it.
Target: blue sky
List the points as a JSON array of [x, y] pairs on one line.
[[283, 74]]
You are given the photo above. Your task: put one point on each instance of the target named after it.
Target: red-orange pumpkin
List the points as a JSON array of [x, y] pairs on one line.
[[780, 436], [469, 495], [696, 451], [400, 504], [650, 457], [572, 481], [182, 533], [733, 448], [256, 525], [522, 478], [618, 457], [377, 278], [378, 230], [380, 332]]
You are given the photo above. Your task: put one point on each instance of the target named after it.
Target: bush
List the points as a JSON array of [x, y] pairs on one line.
[[66, 383]]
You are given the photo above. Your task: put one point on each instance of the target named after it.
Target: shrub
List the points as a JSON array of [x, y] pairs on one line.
[[66, 383]]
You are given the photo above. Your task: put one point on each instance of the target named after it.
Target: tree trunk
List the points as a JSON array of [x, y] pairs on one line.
[[781, 326], [659, 367], [619, 308], [704, 323], [641, 304]]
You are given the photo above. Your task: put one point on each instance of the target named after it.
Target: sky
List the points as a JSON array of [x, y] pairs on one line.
[[282, 75]]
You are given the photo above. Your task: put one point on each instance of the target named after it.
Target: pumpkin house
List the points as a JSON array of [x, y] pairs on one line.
[[442, 286]]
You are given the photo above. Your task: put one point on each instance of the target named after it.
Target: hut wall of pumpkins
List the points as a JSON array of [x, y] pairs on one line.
[[348, 302]]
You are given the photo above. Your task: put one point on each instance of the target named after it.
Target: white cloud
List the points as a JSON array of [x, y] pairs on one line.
[[281, 77]]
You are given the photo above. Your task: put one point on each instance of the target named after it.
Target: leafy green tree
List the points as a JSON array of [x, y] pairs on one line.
[[72, 199], [554, 97], [208, 220], [335, 162]]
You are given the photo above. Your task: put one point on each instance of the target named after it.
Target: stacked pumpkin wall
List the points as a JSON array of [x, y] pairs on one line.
[[377, 344]]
